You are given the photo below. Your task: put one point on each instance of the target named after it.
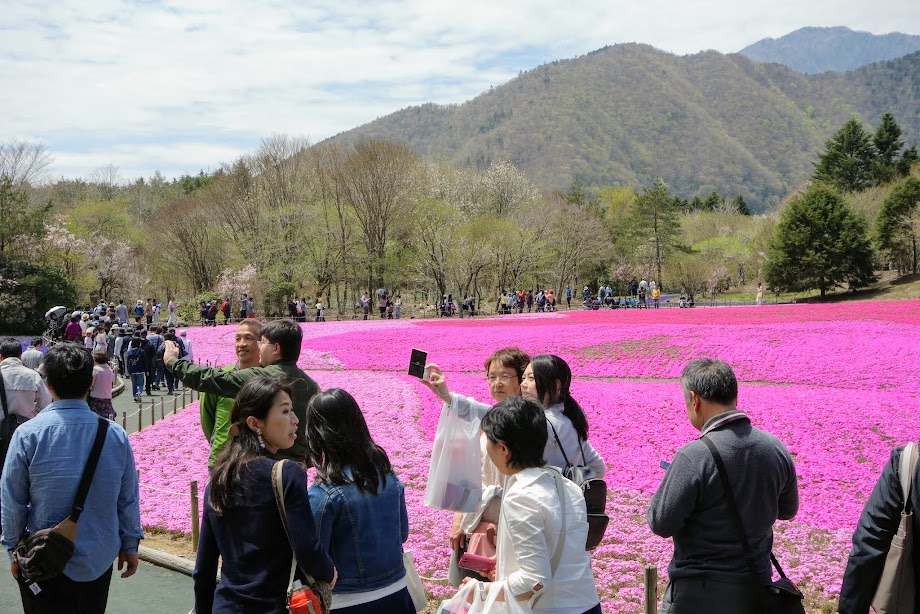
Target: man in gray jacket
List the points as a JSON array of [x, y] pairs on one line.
[[708, 572]]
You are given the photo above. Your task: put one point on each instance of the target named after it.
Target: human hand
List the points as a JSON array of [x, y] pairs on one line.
[[457, 536], [14, 569], [127, 559], [436, 382], [171, 351]]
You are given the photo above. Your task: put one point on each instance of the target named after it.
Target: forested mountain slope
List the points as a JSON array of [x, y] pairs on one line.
[[628, 113]]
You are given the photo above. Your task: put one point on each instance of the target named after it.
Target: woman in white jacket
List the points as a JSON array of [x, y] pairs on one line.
[[543, 523]]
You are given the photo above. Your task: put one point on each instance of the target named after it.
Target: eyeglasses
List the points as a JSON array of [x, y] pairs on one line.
[[501, 377]]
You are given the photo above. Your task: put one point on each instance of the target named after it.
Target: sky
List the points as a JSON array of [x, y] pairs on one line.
[[179, 87]]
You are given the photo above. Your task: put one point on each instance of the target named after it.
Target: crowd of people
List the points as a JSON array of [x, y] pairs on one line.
[[265, 525]]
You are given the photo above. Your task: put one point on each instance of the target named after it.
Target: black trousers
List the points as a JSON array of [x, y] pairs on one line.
[[62, 595]]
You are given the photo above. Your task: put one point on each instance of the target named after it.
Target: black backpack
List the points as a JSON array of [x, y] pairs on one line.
[[593, 487]]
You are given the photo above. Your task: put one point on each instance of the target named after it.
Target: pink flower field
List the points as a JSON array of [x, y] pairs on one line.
[[839, 384]]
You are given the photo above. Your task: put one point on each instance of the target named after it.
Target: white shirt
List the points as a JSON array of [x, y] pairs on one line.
[[188, 349], [26, 393], [529, 530]]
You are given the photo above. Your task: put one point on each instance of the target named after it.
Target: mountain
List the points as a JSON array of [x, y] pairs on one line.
[[629, 113], [815, 50]]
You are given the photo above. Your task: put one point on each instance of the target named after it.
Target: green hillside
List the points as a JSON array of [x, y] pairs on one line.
[[628, 113], [814, 50]]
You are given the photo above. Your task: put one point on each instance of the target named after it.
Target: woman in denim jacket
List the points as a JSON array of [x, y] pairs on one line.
[[359, 507]]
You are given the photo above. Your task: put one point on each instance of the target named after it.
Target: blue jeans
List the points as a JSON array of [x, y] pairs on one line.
[[137, 384]]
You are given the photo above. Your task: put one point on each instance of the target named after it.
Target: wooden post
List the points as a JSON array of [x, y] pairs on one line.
[[194, 491], [651, 589], [162, 405], [153, 417], [175, 402], [124, 420], [140, 416]]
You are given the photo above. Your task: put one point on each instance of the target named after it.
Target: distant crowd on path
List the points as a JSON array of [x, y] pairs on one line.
[[345, 531]]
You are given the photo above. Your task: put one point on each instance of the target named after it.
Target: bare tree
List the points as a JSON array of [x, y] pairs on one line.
[[107, 181], [25, 163], [380, 178]]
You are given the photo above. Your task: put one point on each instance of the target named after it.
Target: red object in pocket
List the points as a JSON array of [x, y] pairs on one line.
[[304, 601], [480, 564]]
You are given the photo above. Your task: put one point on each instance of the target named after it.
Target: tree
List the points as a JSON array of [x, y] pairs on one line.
[[741, 205], [848, 160], [23, 163], [819, 243], [898, 224], [20, 223], [656, 222], [888, 143]]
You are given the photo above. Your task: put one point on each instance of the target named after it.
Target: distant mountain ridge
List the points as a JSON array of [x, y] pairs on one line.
[[629, 113], [815, 50]]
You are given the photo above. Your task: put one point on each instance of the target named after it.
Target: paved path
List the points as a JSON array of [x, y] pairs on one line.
[[124, 404], [152, 590]]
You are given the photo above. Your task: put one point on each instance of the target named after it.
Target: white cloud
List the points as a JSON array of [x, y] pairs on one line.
[[114, 80]]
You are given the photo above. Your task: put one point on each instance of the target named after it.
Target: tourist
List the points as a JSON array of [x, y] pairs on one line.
[[397, 304], [872, 540], [321, 311], [148, 312], [40, 483], [759, 299], [216, 410], [73, 332], [173, 318], [189, 356], [656, 295], [121, 312], [709, 572], [100, 393], [156, 341], [138, 311], [543, 517], [122, 343], [24, 391], [365, 305], [101, 339], [32, 357], [242, 526], [568, 297], [244, 306], [279, 349], [359, 507], [136, 362]]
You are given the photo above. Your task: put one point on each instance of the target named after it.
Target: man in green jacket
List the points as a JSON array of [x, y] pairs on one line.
[[216, 410], [279, 349]]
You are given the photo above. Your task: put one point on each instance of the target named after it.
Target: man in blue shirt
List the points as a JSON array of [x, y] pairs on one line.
[[39, 484]]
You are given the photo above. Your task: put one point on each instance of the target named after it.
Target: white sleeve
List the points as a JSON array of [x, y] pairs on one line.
[[467, 407]]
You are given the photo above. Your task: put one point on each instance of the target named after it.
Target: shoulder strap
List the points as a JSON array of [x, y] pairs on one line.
[[278, 490], [89, 470], [906, 471], [558, 443], [730, 502], [3, 401]]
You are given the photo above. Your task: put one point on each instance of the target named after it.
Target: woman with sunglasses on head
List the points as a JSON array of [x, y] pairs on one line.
[[242, 524], [360, 508]]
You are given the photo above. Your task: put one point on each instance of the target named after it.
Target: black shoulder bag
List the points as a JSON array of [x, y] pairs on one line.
[[42, 555], [593, 488], [780, 597], [9, 423]]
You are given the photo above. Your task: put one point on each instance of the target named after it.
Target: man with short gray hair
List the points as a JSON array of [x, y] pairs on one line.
[[709, 572]]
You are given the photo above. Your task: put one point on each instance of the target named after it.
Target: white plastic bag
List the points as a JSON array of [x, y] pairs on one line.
[[414, 582], [497, 601], [455, 474]]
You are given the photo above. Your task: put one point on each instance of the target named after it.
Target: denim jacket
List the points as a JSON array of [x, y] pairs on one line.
[[363, 533]]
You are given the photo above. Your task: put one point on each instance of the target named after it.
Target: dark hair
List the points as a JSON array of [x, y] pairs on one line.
[[337, 436], [69, 370], [510, 357], [37, 341], [10, 348], [100, 358], [254, 399], [520, 424], [287, 334], [136, 341], [711, 379], [547, 370]]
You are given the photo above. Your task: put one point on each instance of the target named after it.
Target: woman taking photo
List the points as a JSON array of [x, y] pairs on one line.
[[360, 508], [242, 524], [543, 517]]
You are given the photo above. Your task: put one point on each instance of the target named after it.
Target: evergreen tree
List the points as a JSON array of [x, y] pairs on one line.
[[656, 221], [888, 144], [819, 243], [898, 224], [848, 160], [741, 205]]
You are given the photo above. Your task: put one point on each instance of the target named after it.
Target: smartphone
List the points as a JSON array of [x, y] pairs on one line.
[[417, 363], [480, 564], [665, 464]]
